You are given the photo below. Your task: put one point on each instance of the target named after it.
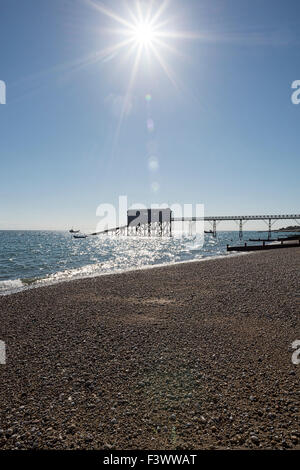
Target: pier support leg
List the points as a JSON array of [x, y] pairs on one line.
[[160, 223], [241, 229], [214, 228], [270, 229]]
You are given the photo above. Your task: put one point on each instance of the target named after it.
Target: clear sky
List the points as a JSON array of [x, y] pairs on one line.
[[207, 118]]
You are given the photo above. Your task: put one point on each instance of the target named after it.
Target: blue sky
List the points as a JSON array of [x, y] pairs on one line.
[[227, 135]]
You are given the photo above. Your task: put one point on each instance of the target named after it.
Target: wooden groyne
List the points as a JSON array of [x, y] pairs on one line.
[[264, 246]]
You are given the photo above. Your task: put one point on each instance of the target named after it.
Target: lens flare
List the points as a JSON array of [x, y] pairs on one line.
[[150, 125], [153, 164], [155, 186]]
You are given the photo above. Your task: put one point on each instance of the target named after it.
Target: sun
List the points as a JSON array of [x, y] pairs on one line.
[[144, 34], [142, 31]]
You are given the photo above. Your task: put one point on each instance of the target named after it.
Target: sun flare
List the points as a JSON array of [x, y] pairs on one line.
[[141, 32], [144, 34]]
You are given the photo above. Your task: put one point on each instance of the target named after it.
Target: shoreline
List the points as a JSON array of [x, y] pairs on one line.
[[186, 356], [45, 275], [44, 283]]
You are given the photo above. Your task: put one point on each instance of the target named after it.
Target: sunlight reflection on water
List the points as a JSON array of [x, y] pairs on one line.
[[35, 258]]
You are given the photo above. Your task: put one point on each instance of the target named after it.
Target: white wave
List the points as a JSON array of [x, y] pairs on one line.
[[10, 286], [90, 271]]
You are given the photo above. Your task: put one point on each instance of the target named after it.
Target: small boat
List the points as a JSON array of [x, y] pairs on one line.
[[80, 236], [73, 231], [208, 231]]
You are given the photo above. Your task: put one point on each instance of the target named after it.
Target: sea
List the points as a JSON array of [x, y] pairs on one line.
[[30, 259]]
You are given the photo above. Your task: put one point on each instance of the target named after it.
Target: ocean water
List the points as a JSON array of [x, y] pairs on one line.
[[35, 258]]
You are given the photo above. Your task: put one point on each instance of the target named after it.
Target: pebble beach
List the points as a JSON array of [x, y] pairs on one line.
[[191, 356]]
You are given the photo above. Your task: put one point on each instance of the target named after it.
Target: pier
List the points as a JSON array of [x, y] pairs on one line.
[[159, 222], [242, 219]]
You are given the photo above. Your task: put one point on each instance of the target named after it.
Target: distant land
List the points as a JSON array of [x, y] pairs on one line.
[[291, 228]]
